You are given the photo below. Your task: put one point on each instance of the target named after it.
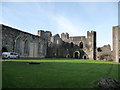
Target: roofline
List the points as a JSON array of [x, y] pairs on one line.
[[21, 31]]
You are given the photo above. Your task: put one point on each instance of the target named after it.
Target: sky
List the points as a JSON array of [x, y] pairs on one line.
[[76, 18]]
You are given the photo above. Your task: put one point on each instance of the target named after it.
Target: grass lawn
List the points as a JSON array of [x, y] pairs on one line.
[[56, 73]]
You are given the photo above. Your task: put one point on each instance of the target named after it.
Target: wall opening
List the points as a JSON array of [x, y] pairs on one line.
[[94, 46], [39, 49], [99, 50], [68, 56], [84, 57], [26, 48], [81, 45], [76, 55], [72, 45], [4, 49], [18, 45]]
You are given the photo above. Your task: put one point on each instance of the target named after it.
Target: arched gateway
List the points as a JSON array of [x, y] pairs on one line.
[[80, 54], [76, 54]]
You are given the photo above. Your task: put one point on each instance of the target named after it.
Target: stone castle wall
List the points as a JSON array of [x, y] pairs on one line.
[[73, 47], [23, 43], [45, 45], [104, 53]]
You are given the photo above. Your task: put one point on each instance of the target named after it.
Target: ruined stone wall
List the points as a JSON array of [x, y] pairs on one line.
[[76, 44], [104, 53], [72, 47], [55, 48], [64, 36], [45, 34], [89, 45], [23, 43]]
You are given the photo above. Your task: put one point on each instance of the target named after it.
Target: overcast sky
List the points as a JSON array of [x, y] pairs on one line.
[[75, 18]]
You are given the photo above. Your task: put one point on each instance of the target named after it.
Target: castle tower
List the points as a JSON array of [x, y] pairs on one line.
[[91, 38], [67, 35], [64, 36], [116, 43], [40, 33], [45, 34]]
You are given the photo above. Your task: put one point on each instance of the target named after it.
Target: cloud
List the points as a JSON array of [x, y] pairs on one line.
[[65, 25]]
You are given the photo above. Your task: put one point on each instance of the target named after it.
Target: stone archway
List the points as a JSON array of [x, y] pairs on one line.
[[17, 45], [76, 54], [85, 57], [26, 48], [4, 49], [81, 45], [80, 54], [67, 56]]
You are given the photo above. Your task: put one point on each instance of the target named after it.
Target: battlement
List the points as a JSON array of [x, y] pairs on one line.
[[45, 34], [64, 36], [90, 33], [77, 38]]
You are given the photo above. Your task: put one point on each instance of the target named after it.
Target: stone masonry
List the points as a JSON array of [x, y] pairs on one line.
[[116, 43], [25, 44], [44, 44]]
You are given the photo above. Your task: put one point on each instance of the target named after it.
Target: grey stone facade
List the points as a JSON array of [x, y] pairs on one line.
[[71, 47], [44, 44], [116, 43], [104, 53], [25, 44]]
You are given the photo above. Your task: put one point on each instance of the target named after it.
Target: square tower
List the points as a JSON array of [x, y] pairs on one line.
[[116, 43], [91, 38]]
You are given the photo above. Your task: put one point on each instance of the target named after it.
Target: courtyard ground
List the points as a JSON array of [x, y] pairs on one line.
[[56, 73]]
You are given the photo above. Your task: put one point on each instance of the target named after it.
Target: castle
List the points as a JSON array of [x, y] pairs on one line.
[[70, 47], [46, 45]]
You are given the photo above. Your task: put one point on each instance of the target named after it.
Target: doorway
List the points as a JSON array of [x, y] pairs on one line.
[[76, 55], [84, 57]]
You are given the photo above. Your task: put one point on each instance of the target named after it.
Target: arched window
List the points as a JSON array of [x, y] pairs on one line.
[[99, 50], [26, 48], [39, 49], [67, 56], [81, 45], [72, 44], [18, 45], [76, 55]]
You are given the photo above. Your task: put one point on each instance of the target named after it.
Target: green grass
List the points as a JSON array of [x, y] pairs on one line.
[[56, 73], [65, 60]]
